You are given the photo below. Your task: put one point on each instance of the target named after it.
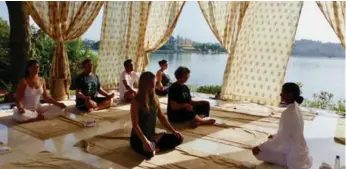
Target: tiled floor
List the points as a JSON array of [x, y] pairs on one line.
[[319, 134]]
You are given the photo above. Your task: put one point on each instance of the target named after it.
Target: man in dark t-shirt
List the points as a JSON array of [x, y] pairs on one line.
[[87, 89], [181, 107]]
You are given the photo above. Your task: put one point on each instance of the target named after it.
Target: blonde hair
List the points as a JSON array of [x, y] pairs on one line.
[[146, 98]]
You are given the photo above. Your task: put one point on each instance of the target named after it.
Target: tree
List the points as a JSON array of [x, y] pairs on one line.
[[4, 59], [19, 43]]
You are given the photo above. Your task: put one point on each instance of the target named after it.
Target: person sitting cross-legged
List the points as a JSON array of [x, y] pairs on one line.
[[181, 108], [162, 79], [145, 107], [126, 83], [29, 91], [87, 88]]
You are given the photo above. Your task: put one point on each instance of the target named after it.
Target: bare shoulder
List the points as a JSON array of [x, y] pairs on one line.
[[22, 82], [159, 73], [42, 80]]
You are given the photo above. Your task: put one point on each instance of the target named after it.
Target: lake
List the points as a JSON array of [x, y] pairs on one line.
[[315, 73]]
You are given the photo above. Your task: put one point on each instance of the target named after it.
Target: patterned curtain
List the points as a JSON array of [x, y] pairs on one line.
[[259, 38], [63, 21], [334, 11], [123, 26], [163, 17], [225, 19], [130, 30]]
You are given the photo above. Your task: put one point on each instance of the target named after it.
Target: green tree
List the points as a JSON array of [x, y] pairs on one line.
[[42, 50], [19, 40], [4, 59]]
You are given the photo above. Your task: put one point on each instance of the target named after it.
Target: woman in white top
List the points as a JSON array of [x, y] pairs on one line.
[[29, 91], [288, 147]]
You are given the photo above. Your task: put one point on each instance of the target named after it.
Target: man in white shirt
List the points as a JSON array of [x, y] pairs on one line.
[[126, 83]]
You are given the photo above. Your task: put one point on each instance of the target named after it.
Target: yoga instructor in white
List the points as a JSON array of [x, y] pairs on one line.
[[29, 91], [288, 147]]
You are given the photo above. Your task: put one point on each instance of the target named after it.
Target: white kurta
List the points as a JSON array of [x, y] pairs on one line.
[[289, 143], [131, 79]]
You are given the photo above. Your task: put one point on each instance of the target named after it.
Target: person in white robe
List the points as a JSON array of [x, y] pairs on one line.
[[288, 147]]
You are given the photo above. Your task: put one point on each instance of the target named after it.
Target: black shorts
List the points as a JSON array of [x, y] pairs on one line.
[[80, 103], [181, 116]]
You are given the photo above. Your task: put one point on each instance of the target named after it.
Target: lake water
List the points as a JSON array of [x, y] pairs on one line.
[[316, 74]]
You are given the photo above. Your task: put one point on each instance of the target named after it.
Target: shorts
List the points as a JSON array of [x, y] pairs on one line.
[[80, 103]]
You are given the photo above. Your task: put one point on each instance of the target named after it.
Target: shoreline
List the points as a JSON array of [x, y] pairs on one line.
[[215, 53]]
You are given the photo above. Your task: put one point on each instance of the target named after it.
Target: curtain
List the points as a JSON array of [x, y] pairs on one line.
[[334, 12], [259, 38], [130, 30], [123, 26], [162, 19], [63, 21], [225, 20]]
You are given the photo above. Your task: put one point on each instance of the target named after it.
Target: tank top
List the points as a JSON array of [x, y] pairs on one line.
[[165, 80], [31, 100], [147, 123]]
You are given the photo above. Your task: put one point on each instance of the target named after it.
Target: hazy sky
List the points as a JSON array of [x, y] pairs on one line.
[[191, 24]]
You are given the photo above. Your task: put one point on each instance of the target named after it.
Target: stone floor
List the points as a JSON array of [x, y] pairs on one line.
[[319, 134]]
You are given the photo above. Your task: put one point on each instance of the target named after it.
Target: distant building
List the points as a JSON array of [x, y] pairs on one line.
[[186, 43], [172, 43]]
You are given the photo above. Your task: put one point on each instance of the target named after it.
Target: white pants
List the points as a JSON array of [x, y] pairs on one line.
[[272, 157], [48, 112], [286, 160]]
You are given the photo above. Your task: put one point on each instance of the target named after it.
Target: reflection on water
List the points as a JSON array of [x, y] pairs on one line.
[[316, 74]]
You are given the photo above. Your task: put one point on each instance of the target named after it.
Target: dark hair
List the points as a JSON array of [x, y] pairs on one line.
[[181, 71], [127, 62], [28, 65], [85, 61], [292, 88], [162, 62]]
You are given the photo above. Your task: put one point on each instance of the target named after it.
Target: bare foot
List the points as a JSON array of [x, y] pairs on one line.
[[202, 116], [91, 110], [208, 122], [195, 124], [40, 117]]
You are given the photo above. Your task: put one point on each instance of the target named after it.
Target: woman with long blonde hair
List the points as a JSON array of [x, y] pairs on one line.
[[144, 109]]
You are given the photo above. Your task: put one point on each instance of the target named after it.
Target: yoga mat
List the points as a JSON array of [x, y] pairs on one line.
[[46, 129], [44, 160], [251, 109], [223, 134], [112, 114], [340, 131], [115, 147], [258, 110], [244, 108]]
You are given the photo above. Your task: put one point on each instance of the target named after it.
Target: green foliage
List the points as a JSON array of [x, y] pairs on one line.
[[205, 47], [77, 52], [324, 101], [209, 89], [42, 49], [193, 88], [340, 107], [300, 84], [4, 59]]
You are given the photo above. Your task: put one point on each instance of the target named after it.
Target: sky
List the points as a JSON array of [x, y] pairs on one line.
[[191, 24]]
